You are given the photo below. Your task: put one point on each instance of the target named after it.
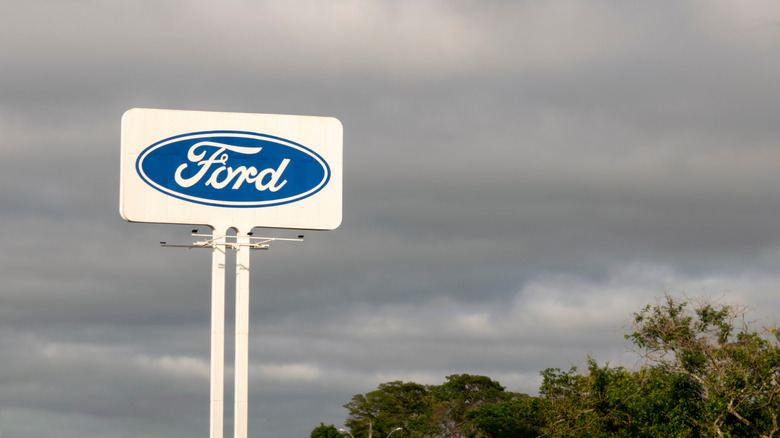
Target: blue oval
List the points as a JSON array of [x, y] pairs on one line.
[[233, 169]]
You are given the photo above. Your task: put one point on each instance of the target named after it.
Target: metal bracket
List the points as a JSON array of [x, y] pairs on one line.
[[214, 240]]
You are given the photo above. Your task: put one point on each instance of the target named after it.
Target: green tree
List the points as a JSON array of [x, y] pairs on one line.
[[666, 404], [707, 374], [735, 367], [458, 395], [616, 402], [520, 417], [323, 431], [394, 404], [591, 404]]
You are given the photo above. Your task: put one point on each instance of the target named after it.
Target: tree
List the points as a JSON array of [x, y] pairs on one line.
[[616, 402], [592, 404], [460, 394], [666, 404], [391, 405], [519, 417], [735, 367], [323, 431], [707, 373]]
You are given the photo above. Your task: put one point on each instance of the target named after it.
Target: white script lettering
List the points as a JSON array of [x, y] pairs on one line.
[[222, 175]]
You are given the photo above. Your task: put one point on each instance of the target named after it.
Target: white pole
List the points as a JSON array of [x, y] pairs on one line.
[[242, 336], [216, 411]]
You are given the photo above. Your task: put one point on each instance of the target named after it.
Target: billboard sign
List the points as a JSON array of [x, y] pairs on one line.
[[231, 169]]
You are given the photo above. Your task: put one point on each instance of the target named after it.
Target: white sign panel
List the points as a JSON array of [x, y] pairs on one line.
[[231, 169]]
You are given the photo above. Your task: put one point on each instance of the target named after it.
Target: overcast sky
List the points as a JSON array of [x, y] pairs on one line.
[[519, 177]]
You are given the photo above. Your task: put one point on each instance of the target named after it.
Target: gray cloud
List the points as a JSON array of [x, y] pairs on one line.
[[519, 177]]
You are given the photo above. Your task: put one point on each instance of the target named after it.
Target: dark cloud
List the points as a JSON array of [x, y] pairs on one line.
[[518, 179]]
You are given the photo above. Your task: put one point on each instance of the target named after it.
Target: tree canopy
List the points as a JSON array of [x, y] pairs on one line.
[[706, 372], [323, 431]]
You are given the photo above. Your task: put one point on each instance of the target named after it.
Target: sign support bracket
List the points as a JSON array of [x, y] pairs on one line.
[[219, 244]]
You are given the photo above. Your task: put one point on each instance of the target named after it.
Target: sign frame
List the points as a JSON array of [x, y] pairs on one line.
[[145, 131]]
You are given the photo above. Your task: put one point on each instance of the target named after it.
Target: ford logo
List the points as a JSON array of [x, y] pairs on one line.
[[233, 169]]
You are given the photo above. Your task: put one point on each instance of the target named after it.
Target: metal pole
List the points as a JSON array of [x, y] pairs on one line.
[[242, 335], [216, 411], [243, 244]]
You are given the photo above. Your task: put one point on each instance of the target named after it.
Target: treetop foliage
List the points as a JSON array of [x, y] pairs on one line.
[[706, 372], [323, 431]]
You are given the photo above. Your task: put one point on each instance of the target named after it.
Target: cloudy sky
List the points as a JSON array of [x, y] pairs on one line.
[[519, 177]]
